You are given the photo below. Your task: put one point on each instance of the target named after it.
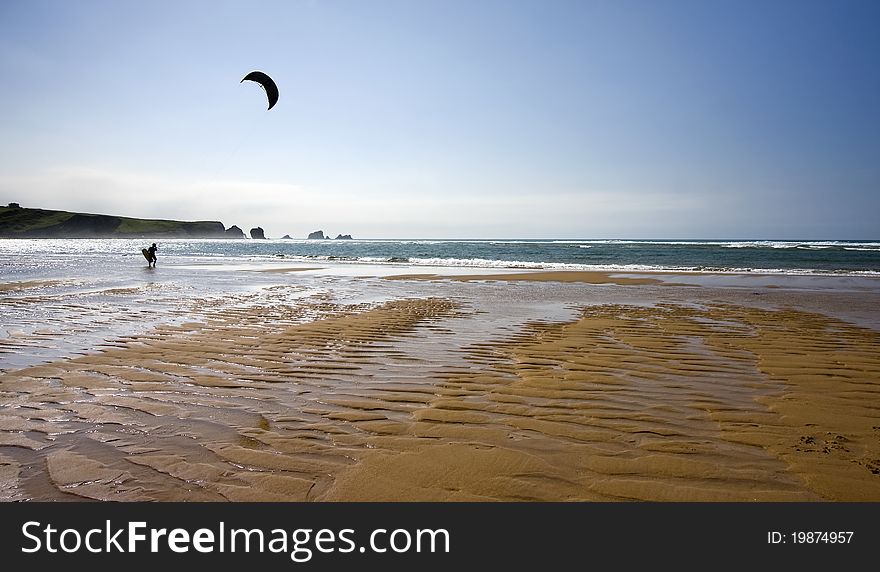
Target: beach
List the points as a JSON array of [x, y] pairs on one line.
[[281, 381]]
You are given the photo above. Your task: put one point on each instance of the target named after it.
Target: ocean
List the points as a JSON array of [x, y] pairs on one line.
[[27, 257]]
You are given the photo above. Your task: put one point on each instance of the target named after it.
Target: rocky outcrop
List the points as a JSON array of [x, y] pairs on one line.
[[257, 233], [234, 232], [317, 235], [286, 237], [343, 237]]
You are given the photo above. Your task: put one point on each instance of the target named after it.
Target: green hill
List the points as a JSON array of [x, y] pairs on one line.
[[17, 222]]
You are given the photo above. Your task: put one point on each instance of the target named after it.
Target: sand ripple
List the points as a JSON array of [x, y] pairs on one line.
[[407, 400]]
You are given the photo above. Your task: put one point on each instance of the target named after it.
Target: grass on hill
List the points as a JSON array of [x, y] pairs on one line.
[[16, 220]]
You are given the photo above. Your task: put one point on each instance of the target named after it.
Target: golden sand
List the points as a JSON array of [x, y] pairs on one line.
[[665, 403], [6, 287], [373, 402]]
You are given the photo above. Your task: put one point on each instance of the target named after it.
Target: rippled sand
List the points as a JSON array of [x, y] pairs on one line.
[[431, 398]]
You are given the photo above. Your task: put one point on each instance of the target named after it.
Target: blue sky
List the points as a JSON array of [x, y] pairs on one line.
[[470, 119]]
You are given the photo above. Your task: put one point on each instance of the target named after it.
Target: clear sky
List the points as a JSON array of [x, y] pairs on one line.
[[447, 118]]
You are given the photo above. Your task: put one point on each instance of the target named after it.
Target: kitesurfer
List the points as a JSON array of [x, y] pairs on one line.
[[152, 259]]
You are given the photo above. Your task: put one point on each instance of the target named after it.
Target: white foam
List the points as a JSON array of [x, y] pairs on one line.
[[484, 263]]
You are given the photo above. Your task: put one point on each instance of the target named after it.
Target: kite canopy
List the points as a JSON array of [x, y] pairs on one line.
[[266, 82]]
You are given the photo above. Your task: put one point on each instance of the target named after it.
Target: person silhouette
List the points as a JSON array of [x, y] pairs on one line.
[[152, 251]]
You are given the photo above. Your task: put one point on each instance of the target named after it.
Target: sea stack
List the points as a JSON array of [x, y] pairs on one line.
[[343, 237], [257, 233], [234, 232], [317, 235]]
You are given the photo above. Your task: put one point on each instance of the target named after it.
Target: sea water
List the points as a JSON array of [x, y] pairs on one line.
[[38, 257]]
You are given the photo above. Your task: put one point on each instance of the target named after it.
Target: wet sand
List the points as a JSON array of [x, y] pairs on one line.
[[21, 285], [450, 391]]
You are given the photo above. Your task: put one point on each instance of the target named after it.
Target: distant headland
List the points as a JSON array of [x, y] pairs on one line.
[[21, 222]]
